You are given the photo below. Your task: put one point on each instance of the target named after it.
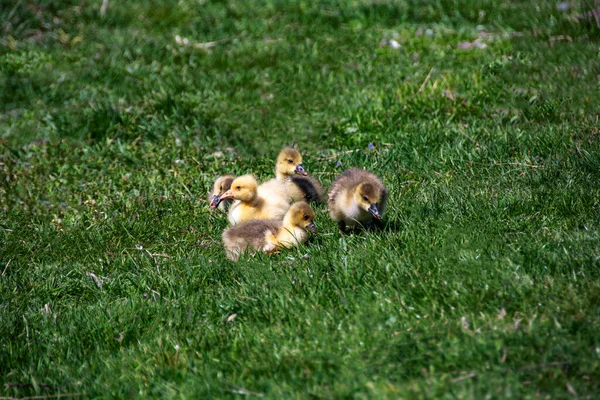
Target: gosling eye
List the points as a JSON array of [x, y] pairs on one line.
[[365, 198], [238, 187], [290, 161], [306, 217]]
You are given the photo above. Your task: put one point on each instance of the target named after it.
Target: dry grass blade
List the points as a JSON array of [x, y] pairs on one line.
[[497, 164], [336, 155], [245, 392], [551, 364], [96, 279], [5, 268], [103, 8], [427, 78], [462, 378]]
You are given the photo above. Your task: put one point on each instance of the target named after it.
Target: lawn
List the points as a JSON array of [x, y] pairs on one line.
[[481, 117]]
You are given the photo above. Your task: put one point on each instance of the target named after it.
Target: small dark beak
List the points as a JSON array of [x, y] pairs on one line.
[[300, 170], [374, 212], [214, 203], [220, 197], [312, 227]]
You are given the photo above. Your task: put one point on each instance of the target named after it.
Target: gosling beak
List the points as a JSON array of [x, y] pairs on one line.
[[220, 197], [214, 203], [312, 227], [300, 170], [374, 212]]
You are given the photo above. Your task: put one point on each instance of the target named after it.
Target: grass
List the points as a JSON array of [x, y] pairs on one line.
[[483, 282]]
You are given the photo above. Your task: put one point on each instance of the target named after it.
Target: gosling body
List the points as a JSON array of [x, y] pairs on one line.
[[270, 235], [249, 204], [357, 197], [292, 180]]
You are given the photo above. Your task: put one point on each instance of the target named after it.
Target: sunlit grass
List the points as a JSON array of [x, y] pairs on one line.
[[482, 120]]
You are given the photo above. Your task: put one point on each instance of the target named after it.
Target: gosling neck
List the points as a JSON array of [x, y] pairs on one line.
[[281, 176], [255, 201], [288, 223]]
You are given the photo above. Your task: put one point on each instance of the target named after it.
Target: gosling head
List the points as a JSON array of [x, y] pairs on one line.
[[301, 215], [242, 188], [222, 184], [289, 163], [368, 197]]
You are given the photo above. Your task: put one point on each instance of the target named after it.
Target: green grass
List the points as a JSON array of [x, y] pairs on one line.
[[483, 283]]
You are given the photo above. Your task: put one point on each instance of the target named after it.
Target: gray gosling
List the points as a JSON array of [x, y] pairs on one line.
[[270, 235], [356, 197], [221, 185]]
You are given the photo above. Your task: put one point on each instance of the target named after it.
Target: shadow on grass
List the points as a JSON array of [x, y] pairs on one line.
[[372, 227]]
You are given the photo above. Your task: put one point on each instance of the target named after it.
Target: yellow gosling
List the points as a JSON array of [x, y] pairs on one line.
[[292, 179], [270, 235], [249, 204]]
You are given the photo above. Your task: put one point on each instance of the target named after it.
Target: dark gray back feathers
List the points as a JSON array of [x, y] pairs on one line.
[[313, 192]]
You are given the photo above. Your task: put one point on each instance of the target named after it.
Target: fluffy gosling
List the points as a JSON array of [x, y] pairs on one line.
[[356, 197], [221, 185], [270, 235], [293, 178], [250, 204]]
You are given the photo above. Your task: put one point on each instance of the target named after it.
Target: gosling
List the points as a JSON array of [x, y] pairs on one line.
[[291, 176], [249, 204], [270, 235], [221, 185], [357, 197]]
